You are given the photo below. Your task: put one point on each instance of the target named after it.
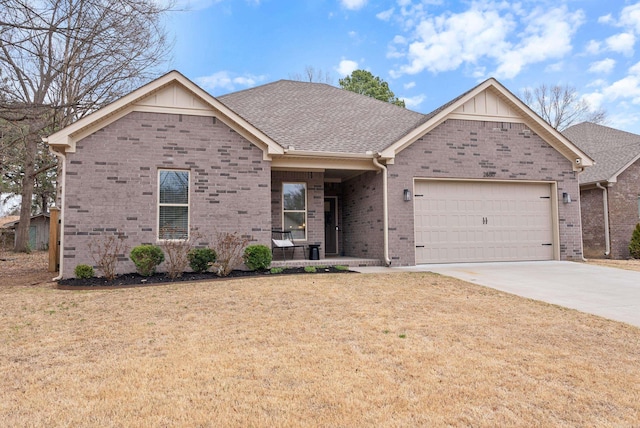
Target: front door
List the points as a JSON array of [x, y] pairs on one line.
[[331, 225]]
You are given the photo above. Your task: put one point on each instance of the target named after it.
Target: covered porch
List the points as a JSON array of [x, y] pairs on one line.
[[337, 210]]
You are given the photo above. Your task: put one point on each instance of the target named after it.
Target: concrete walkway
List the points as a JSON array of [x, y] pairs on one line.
[[608, 292]]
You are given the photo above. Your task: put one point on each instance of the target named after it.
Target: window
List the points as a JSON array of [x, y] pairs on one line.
[[173, 204], [294, 209]]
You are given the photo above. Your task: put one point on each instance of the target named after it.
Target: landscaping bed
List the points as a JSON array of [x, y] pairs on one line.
[[137, 280]]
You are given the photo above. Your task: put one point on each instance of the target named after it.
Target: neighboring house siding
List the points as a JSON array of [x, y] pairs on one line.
[[315, 206], [592, 222], [112, 182], [623, 210], [473, 150], [362, 222]]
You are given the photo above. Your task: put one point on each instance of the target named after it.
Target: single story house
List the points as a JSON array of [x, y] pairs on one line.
[[482, 178], [38, 231], [610, 190]]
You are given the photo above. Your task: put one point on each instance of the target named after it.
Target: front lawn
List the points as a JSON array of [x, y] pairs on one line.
[[406, 349]]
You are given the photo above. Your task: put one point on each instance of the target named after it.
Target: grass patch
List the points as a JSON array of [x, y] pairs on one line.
[[308, 351]]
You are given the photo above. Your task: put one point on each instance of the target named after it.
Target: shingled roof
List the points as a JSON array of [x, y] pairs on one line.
[[612, 149], [317, 117]]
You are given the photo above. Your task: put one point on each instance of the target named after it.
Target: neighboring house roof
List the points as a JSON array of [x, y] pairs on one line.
[[317, 117], [613, 150], [8, 221]]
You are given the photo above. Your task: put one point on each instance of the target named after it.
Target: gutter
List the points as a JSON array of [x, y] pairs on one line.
[[605, 206], [385, 209], [63, 159]]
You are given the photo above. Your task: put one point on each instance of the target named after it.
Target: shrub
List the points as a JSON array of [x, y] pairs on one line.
[[229, 247], [105, 251], [310, 269], [341, 267], [84, 271], [276, 270], [257, 257], [201, 259], [634, 244], [146, 258]]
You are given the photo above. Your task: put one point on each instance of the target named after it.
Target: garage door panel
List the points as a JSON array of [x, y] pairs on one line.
[[482, 221]]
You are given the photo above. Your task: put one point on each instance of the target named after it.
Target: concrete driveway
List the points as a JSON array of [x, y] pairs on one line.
[[608, 292]]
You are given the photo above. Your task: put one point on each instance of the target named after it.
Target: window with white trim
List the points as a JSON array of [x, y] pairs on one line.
[[173, 204], [294, 209]]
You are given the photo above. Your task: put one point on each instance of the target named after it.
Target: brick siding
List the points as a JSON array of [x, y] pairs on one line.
[[623, 210], [592, 223], [474, 149], [362, 220], [112, 182]]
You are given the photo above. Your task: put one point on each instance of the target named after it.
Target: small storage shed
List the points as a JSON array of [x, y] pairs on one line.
[[38, 231]]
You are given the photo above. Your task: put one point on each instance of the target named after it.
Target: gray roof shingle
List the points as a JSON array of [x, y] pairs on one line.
[[611, 148], [318, 117]]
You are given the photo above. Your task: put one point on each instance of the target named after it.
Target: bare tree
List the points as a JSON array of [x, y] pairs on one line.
[[312, 75], [62, 59], [561, 106]]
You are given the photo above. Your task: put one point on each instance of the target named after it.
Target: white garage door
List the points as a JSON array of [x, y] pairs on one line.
[[458, 221]]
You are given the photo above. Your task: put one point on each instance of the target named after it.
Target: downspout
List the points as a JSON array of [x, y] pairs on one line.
[[385, 210], [63, 159], [605, 205]]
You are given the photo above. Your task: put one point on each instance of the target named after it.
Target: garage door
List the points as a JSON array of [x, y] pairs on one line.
[[482, 221]]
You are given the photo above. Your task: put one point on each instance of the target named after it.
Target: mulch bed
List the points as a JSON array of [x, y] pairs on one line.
[[136, 280]]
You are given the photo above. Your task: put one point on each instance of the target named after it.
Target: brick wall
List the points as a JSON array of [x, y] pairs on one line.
[[112, 182], [315, 206], [475, 149], [362, 221], [592, 223], [623, 210]]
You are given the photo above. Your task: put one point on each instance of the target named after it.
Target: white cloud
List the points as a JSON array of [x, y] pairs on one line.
[[413, 102], [228, 81], [555, 67], [593, 47], [385, 15], [630, 17], [603, 67], [409, 85], [447, 41], [352, 34], [606, 19], [346, 67], [353, 4], [621, 43], [547, 36]]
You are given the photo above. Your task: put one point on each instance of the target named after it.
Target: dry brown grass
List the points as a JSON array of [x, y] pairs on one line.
[[621, 264], [326, 350]]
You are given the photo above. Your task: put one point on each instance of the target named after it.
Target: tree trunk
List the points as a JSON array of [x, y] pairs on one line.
[[22, 233]]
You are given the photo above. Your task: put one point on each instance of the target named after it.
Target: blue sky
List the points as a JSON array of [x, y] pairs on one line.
[[429, 51]]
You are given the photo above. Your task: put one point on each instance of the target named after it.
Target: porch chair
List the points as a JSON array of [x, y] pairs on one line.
[[283, 239]]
